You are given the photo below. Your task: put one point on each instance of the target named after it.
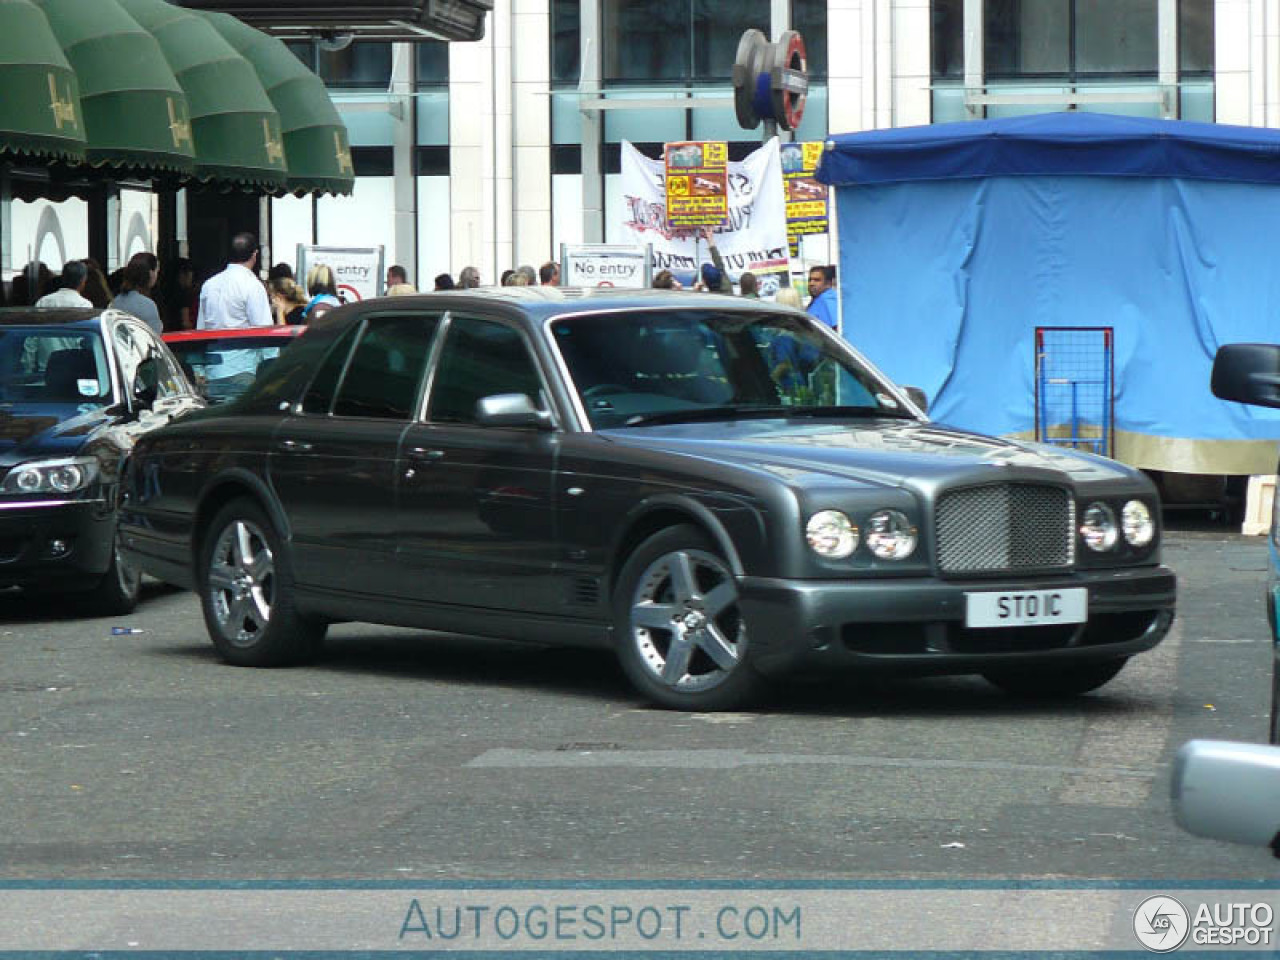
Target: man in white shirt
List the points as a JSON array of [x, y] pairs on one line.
[[236, 297], [36, 350], [71, 294]]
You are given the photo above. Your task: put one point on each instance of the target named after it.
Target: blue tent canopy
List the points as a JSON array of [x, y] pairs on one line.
[[959, 242], [1070, 144]]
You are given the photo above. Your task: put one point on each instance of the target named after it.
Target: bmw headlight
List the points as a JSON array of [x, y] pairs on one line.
[[1136, 522], [1098, 527], [51, 476], [831, 534], [891, 536]]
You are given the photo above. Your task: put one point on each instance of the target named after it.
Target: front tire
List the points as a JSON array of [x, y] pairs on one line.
[[247, 592], [680, 634], [1056, 680], [116, 594]]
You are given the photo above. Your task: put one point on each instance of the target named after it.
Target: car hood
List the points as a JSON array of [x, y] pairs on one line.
[[871, 452], [47, 431]]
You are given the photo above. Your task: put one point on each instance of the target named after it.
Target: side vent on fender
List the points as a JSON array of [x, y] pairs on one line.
[[585, 591]]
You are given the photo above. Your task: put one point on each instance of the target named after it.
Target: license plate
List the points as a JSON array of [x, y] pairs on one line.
[[1023, 608]]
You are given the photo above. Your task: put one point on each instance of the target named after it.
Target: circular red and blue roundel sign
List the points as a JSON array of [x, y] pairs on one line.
[[790, 80]]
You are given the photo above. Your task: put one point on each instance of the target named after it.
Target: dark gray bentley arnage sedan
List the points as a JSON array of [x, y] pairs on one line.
[[719, 489]]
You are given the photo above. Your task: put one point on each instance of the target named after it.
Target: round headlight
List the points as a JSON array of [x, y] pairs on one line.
[[29, 481], [66, 478], [831, 534], [891, 536], [1098, 527], [1135, 520]]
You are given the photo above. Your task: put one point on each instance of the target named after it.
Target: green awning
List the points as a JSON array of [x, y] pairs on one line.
[[236, 128], [135, 113], [40, 109], [316, 144]]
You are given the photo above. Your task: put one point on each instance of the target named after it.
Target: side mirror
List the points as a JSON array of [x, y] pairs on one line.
[[146, 384], [1228, 791], [511, 410], [1247, 373], [918, 397]]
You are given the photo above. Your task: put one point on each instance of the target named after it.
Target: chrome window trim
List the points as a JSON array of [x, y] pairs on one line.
[[40, 504]]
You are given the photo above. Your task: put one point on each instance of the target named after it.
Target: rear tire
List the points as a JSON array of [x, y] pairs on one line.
[[246, 590], [1056, 680], [680, 635]]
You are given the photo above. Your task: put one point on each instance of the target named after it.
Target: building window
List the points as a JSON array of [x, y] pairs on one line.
[[810, 18], [674, 41], [566, 40], [948, 39], [1068, 39], [361, 65], [1195, 37], [433, 63]]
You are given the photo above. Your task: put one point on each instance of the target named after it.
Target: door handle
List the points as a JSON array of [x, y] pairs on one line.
[[295, 446], [423, 455]]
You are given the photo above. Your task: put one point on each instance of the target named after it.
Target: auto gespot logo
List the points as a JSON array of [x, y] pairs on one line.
[[1162, 924]]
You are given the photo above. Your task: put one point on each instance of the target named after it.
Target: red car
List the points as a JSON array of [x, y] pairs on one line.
[[222, 363]]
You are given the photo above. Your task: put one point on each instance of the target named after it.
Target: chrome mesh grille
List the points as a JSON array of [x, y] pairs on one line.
[[1005, 527]]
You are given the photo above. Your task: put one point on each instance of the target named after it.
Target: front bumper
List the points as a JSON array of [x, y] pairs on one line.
[[917, 625], [32, 532]]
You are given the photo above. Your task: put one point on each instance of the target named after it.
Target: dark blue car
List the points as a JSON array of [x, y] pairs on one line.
[[77, 387]]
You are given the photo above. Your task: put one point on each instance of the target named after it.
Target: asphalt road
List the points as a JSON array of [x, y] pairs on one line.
[[408, 756]]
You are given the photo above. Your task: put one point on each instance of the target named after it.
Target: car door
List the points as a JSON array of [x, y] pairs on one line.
[[477, 519], [146, 367], [333, 461]]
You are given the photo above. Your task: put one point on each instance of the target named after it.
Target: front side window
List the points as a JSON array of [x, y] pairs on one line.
[[319, 395], [636, 369], [480, 358], [145, 367], [53, 365], [385, 374]]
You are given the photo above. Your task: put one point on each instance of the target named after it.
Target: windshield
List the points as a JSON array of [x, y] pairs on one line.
[[53, 365], [223, 369], [633, 369]]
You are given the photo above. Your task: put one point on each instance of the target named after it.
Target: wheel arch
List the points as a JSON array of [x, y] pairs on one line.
[[662, 512], [227, 487]]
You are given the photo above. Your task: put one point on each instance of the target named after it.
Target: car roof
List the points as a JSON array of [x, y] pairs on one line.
[[236, 333], [543, 302], [53, 316]]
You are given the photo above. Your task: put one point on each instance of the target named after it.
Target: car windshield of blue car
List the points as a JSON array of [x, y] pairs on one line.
[[53, 365], [223, 369], [647, 367]]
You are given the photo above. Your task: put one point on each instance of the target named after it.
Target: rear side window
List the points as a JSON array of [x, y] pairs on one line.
[[480, 358], [386, 369], [319, 396]]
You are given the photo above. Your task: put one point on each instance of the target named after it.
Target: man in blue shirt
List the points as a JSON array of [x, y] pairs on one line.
[[822, 291]]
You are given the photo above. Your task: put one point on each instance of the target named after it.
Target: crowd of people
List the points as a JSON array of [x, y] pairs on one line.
[[168, 297]]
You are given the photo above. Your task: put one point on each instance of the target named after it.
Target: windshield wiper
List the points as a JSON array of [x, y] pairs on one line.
[[761, 410], [851, 412], [696, 414]]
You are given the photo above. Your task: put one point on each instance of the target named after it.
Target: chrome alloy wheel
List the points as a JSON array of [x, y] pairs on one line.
[[241, 583], [685, 621]]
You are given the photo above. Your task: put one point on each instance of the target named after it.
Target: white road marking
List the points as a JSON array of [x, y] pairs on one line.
[[505, 758]]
